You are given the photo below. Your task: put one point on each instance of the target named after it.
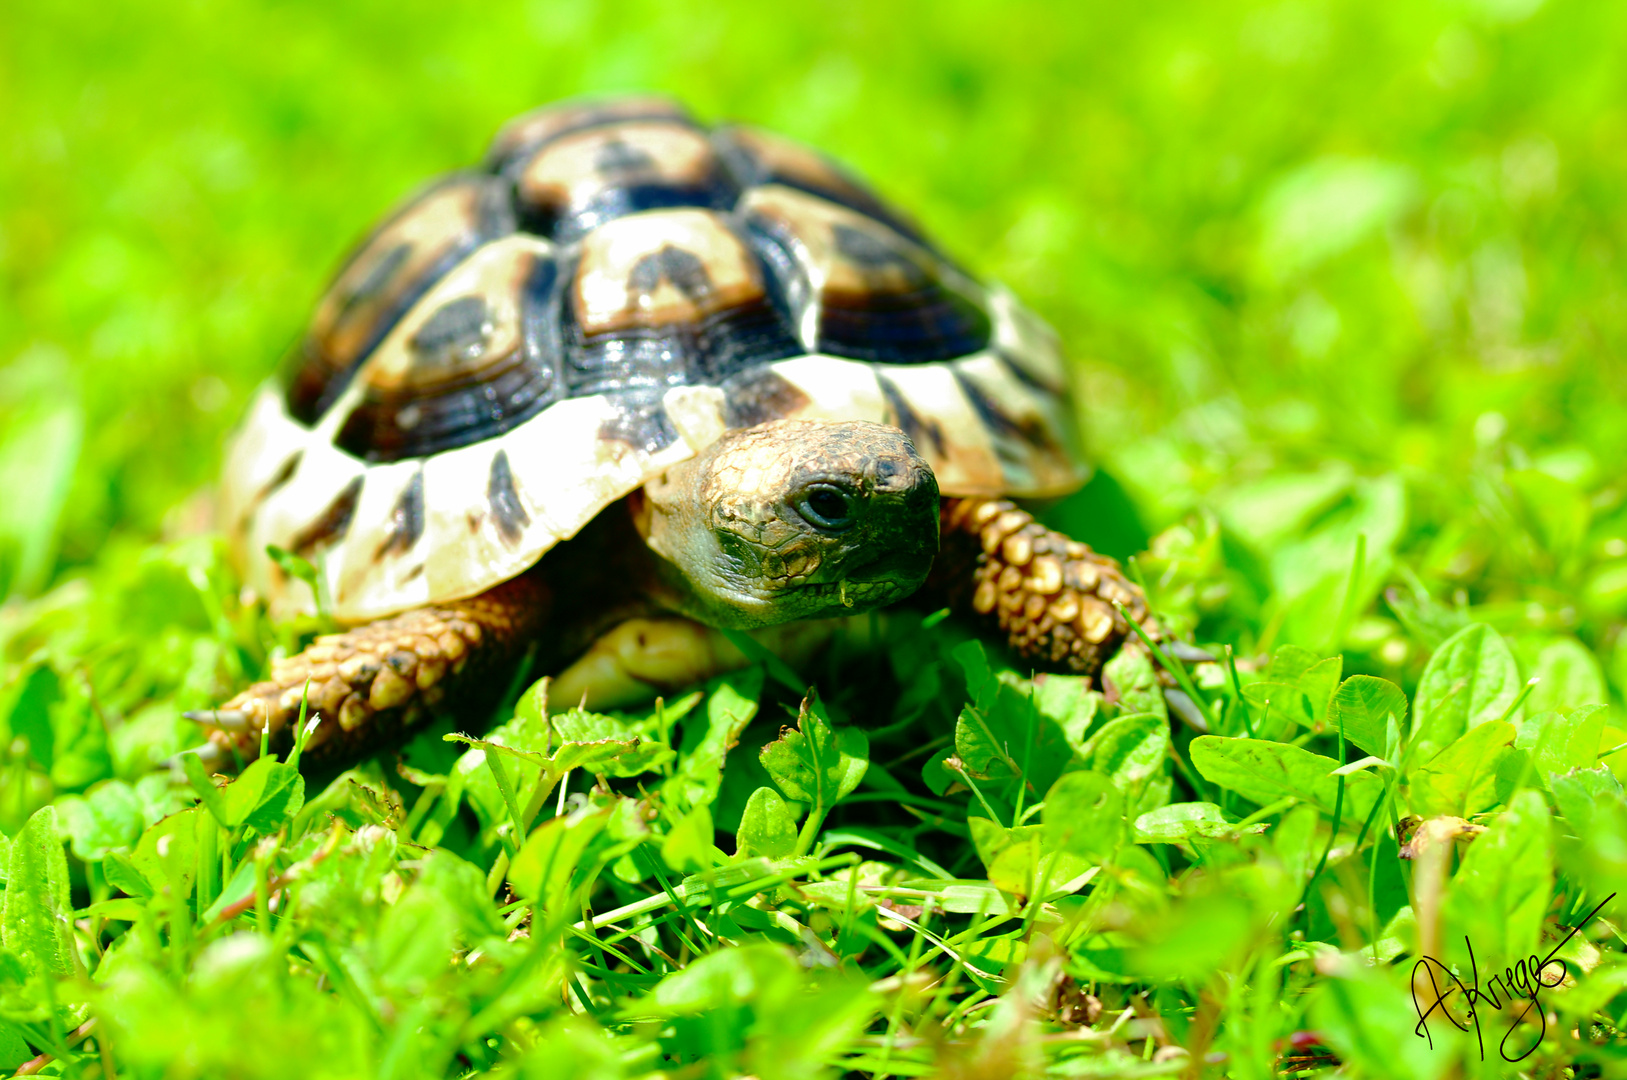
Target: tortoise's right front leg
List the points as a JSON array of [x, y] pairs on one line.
[[1060, 605], [374, 683]]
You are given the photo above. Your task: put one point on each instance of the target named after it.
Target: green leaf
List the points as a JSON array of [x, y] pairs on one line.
[[167, 848], [14, 1050], [1131, 750], [32, 697], [208, 794], [1593, 842], [1373, 712], [767, 828], [1581, 793], [1178, 823], [1327, 206], [688, 847], [731, 703], [39, 446], [1368, 1017], [1312, 677], [122, 875], [1133, 681], [1470, 680], [300, 569], [1560, 742], [552, 863], [1502, 889], [463, 885], [1197, 934], [1003, 735], [1461, 780], [1557, 512], [1295, 841], [35, 909], [414, 941], [107, 818], [725, 977], [1265, 772], [1276, 701], [1069, 703], [267, 795], [1084, 815], [605, 745], [1568, 675], [1021, 861], [814, 763]]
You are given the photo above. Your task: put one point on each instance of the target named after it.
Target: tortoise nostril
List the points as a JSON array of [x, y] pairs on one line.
[[827, 508]]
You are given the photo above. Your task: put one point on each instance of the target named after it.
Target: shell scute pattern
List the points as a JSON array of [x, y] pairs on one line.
[[471, 360], [518, 348], [385, 277], [587, 178], [870, 292]]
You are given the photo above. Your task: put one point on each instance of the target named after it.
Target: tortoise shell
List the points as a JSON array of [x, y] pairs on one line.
[[521, 345]]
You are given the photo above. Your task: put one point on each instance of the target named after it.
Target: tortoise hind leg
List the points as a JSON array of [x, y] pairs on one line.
[[374, 683], [1056, 601]]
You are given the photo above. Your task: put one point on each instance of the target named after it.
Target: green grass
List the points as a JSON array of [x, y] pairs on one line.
[[1343, 286]]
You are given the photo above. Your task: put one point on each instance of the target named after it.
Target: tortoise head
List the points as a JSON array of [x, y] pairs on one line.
[[794, 519]]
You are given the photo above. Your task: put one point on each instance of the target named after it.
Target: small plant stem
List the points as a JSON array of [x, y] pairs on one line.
[[757, 653], [511, 842], [1199, 788], [677, 901], [741, 891], [1237, 693], [962, 772], [1525, 692], [1338, 811]]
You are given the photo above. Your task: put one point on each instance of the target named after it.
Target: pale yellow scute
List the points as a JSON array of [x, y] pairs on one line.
[[1027, 341], [1031, 431], [953, 439]]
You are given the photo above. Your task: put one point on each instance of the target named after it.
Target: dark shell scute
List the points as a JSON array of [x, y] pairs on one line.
[[473, 368], [524, 135], [384, 277], [875, 294], [406, 519], [665, 300], [761, 157], [925, 433], [332, 524], [578, 182], [758, 395], [640, 422], [506, 511]]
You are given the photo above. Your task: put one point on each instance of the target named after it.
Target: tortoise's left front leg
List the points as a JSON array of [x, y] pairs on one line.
[[1056, 601], [373, 684]]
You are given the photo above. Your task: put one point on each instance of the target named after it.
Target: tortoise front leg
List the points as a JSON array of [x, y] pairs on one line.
[[1051, 596], [376, 682]]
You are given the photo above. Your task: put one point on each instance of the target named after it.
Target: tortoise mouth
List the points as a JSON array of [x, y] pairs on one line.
[[861, 595]]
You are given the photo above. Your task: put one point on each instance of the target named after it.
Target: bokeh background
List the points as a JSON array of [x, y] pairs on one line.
[[1327, 267]]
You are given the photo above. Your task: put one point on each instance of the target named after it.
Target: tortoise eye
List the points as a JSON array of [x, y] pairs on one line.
[[826, 507]]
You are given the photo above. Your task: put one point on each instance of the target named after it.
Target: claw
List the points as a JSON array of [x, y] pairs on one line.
[[1187, 710], [1188, 653], [224, 719], [210, 754]]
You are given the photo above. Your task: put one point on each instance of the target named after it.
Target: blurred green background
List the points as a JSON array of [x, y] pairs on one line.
[[1326, 267]]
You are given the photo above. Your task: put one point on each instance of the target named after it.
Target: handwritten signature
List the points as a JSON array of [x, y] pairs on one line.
[[1525, 979]]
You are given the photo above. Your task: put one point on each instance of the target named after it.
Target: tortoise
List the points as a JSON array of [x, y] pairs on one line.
[[630, 381]]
